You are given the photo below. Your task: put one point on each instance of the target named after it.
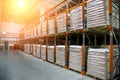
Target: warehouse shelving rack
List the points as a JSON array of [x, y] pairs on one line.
[[69, 5], [116, 68]]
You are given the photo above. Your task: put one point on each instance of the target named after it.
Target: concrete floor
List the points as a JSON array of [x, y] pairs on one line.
[[16, 65]]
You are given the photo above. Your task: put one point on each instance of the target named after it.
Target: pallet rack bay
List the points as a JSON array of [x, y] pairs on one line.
[[68, 35]]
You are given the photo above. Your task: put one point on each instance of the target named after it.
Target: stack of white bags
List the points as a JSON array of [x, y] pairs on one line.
[[61, 23], [76, 19], [60, 55]]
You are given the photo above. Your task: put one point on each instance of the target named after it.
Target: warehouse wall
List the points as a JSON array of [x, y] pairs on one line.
[[11, 27]]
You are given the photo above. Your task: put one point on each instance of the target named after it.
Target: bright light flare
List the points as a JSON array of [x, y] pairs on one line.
[[21, 4], [3, 33], [19, 7]]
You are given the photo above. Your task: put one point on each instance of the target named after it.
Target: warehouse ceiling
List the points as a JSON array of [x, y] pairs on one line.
[[18, 10]]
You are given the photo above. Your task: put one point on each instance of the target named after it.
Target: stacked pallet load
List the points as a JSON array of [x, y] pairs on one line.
[[31, 48], [25, 48], [97, 14], [44, 28], [35, 33], [11, 46], [25, 35], [34, 49], [28, 36], [42, 19], [61, 23], [28, 49], [76, 19], [39, 30], [32, 32], [97, 64], [60, 55], [43, 52], [51, 53], [38, 50], [115, 15], [75, 57], [51, 26]]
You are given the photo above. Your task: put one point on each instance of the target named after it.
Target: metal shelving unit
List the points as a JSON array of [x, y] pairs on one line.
[[84, 36]]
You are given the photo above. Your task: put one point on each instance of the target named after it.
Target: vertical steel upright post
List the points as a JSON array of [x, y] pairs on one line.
[[40, 40], [105, 40], [36, 36], [40, 46], [83, 72], [111, 40], [78, 40], [36, 40], [55, 49], [55, 28], [30, 39], [66, 42], [95, 40], [47, 41], [119, 35]]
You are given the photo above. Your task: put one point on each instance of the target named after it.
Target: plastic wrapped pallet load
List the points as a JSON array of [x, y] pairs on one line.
[[42, 19], [31, 48], [61, 23], [32, 34], [25, 35], [51, 26], [60, 55], [34, 49], [25, 47], [29, 33], [76, 19], [28, 49], [51, 53], [97, 64], [44, 29], [75, 57], [35, 33], [38, 50], [97, 14], [43, 52], [39, 30]]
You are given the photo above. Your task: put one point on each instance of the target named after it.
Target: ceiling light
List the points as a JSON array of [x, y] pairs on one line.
[[3, 33], [20, 4]]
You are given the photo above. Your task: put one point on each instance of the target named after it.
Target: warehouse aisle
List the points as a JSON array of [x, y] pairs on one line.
[[16, 65]]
